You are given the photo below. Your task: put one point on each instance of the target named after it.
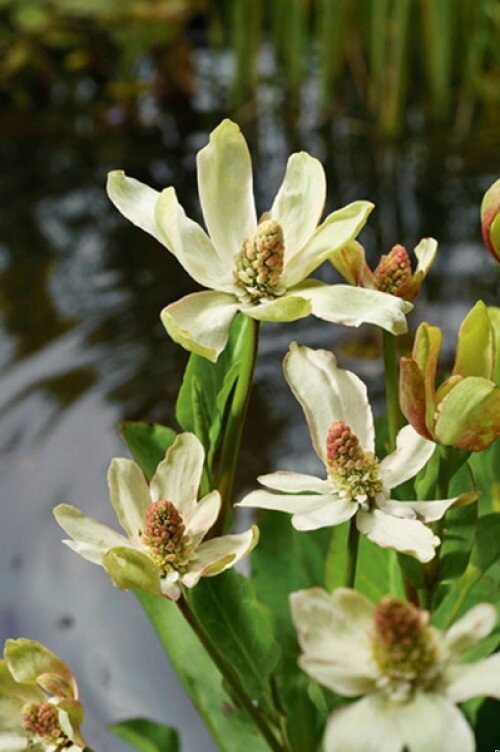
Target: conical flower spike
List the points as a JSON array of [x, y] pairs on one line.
[[465, 410], [490, 219]]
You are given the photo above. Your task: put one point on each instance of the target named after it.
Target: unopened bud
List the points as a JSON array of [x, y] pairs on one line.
[[490, 219], [393, 271]]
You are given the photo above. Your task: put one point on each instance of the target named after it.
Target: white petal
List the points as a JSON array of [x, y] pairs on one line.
[[226, 190], [203, 516], [347, 680], [128, 490], [364, 726], [431, 722], [408, 536], [353, 306], [218, 554], [14, 743], [86, 530], [190, 243], [411, 454], [310, 511], [335, 512], [425, 252], [327, 393], [480, 679], [200, 322], [336, 231], [426, 511], [177, 477], [86, 550], [300, 201], [136, 201], [473, 627], [290, 482]]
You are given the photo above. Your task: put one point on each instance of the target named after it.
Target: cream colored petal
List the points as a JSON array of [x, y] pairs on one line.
[[86, 530], [218, 554], [292, 503], [200, 322], [364, 726], [128, 490], [335, 512], [203, 516], [425, 252], [284, 308], [327, 393], [290, 482], [334, 633], [300, 201], [10, 721], [86, 550], [426, 511], [404, 535], [431, 722], [411, 454], [479, 679], [177, 477], [136, 201], [190, 244], [225, 187], [336, 231], [470, 629], [353, 306], [14, 742]]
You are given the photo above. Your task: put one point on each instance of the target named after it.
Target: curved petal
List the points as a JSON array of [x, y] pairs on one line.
[[190, 244], [426, 511], [130, 569], [431, 722], [177, 477], [23, 692], [203, 516], [300, 201], [364, 726], [27, 660], [136, 201], [411, 454], [336, 231], [225, 187], [334, 513], [469, 415], [292, 503], [475, 353], [425, 252], [327, 393], [129, 495], [468, 631], [335, 629], [12, 731], [284, 308], [86, 530], [350, 262], [479, 679], [402, 534], [347, 680], [412, 395], [200, 322], [218, 554], [86, 550], [290, 482], [353, 306]]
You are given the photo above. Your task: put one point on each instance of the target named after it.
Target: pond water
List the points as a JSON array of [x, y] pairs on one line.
[[82, 346]]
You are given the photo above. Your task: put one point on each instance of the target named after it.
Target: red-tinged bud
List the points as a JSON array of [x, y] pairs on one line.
[[165, 536], [354, 472], [41, 719], [393, 271], [490, 219], [259, 264]]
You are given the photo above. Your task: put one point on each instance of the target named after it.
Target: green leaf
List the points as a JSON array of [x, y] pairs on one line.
[[241, 627], [147, 736], [206, 388], [485, 466], [229, 726], [147, 442]]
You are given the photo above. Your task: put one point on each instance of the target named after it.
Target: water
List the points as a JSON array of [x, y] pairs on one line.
[[82, 346]]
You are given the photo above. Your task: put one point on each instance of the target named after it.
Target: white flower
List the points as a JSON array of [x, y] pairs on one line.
[[257, 268], [406, 669], [164, 522], [340, 421], [39, 706]]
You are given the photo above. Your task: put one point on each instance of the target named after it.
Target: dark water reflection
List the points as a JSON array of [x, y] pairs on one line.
[[82, 346]]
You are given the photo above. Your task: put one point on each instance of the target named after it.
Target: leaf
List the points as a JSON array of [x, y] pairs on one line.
[[206, 387], [240, 626], [147, 736], [147, 442], [485, 466], [229, 726]]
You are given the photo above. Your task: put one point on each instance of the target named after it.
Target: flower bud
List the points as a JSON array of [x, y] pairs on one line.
[[259, 264], [490, 219], [393, 271]]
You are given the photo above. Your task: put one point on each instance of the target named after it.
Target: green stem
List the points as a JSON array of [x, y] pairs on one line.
[[394, 417], [229, 674], [236, 419], [431, 569], [352, 554]]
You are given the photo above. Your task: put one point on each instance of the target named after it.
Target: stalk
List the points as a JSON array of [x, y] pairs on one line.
[[352, 554], [228, 673], [236, 420], [394, 417], [432, 567]]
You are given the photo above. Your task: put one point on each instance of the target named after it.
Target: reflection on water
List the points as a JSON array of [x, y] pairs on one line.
[[82, 346]]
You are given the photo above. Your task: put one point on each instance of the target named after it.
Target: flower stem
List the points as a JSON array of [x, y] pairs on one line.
[[394, 417], [236, 420], [431, 569], [352, 554], [229, 674]]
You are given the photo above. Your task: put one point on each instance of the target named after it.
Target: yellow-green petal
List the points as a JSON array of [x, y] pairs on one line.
[[476, 344], [130, 569], [469, 416]]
